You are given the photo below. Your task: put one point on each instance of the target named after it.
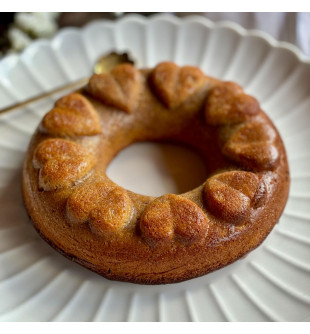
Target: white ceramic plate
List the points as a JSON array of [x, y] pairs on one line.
[[272, 283]]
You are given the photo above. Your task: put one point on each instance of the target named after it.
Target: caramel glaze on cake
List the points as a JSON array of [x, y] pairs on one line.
[[126, 236]]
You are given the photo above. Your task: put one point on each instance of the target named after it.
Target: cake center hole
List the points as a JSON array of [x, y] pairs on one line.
[[155, 169]]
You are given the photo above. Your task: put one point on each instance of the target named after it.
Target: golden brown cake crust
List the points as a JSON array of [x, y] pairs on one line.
[[126, 236]]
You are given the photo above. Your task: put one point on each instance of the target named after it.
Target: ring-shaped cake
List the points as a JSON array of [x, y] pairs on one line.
[[126, 236]]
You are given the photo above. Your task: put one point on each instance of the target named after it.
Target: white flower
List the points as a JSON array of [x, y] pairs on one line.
[[19, 40], [37, 24]]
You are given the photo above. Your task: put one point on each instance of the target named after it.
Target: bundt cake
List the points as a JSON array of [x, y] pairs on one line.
[[126, 236]]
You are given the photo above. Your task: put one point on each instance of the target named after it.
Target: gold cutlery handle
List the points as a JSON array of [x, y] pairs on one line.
[[80, 82]]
